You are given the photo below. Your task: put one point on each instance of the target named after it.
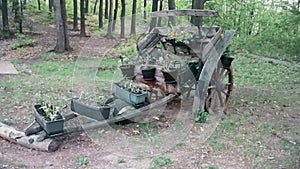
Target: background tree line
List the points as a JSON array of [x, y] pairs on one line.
[[268, 27]]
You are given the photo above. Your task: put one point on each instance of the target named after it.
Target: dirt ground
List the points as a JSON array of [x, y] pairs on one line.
[[250, 135]]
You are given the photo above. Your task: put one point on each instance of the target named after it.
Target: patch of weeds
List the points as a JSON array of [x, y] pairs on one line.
[[121, 160], [82, 160], [23, 41], [161, 162], [216, 144], [212, 167], [108, 74], [178, 124], [201, 117], [180, 144], [228, 124], [48, 68], [50, 56], [255, 152], [8, 122]]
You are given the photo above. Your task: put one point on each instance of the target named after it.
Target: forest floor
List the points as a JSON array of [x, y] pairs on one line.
[[260, 130]]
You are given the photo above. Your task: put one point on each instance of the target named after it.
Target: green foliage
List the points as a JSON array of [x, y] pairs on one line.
[[8, 122], [201, 117], [49, 68], [161, 162], [23, 41], [82, 161], [121, 160]]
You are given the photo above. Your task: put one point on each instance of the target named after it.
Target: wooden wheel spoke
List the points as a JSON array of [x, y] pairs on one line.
[[220, 98]]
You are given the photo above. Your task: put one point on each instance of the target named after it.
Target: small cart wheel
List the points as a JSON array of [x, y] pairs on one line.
[[220, 90]]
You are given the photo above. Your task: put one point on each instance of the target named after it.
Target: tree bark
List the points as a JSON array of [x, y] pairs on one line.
[[50, 5], [133, 18], [95, 7], [62, 43], [86, 6], [75, 16], [106, 9], [123, 18], [172, 6], [145, 12], [6, 31], [115, 15], [39, 4], [82, 19], [18, 137], [197, 4], [160, 9], [100, 15], [154, 8], [109, 30]]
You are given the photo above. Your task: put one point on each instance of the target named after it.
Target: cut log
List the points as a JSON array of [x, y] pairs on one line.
[[11, 134]]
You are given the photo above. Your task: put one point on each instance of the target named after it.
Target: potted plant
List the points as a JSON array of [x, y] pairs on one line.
[[127, 68], [127, 91], [148, 70], [169, 72], [49, 117], [92, 106]]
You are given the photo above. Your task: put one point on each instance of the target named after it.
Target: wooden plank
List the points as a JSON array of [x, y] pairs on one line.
[[191, 12]]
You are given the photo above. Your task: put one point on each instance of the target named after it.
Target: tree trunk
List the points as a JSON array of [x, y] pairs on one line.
[[172, 6], [115, 15], [21, 17], [86, 6], [100, 15], [123, 18], [75, 16], [82, 19], [133, 18], [95, 7], [154, 8], [6, 31], [106, 9], [109, 30], [39, 4], [197, 4], [62, 43], [50, 5], [160, 9], [145, 12]]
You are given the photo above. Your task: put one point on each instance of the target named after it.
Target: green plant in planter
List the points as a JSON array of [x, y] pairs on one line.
[[93, 99], [128, 85], [50, 110]]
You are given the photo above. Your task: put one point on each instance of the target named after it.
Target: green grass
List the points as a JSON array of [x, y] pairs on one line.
[[161, 162], [49, 68], [250, 71]]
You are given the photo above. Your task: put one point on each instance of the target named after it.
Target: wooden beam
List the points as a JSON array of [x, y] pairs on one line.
[[189, 12]]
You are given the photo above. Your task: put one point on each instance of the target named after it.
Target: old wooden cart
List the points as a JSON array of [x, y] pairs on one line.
[[196, 53]]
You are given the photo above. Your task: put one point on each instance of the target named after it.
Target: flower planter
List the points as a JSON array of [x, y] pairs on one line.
[[170, 75], [226, 61], [51, 127], [127, 71], [148, 73], [128, 96], [97, 113]]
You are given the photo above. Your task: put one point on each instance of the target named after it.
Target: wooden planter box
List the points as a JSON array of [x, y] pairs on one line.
[[128, 96], [51, 127], [97, 113]]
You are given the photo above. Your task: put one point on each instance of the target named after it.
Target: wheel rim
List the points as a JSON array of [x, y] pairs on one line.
[[220, 90]]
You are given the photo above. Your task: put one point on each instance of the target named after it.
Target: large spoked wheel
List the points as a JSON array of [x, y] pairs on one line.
[[220, 90]]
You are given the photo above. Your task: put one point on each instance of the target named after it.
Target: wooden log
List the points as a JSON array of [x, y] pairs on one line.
[[11, 134]]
